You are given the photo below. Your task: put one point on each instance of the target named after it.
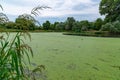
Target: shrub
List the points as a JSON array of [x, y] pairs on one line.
[[117, 26], [112, 27], [106, 27]]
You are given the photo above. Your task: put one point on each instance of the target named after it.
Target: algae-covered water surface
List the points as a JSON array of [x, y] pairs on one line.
[[76, 57]]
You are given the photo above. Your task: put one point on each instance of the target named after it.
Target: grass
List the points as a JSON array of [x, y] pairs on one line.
[[11, 60], [75, 57]]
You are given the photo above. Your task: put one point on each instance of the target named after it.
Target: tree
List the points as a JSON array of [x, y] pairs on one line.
[[55, 24], [25, 21], [84, 25], [91, 25], [112, 27], [52, 26], [98, 23], [77, 26], [69, 23], [10, 25], [46, 25], [106, 27], [60, 26], [110, 8], [116, 25]]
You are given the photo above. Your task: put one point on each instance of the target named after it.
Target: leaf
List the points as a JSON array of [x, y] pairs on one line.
[[15, 61]]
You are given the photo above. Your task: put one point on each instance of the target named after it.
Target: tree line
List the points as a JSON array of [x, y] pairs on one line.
[[27, 22]]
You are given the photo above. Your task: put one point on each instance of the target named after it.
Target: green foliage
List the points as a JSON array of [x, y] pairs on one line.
[[60, 26], [98, 24], [112, 27], [110, 8], [91, 25], [106, 27], [10, 25], [69, 23], [25, 22], [116, 25], [76, 27], [46, 25], [54, 25], [84, 25], [11, 57], [12, 52]]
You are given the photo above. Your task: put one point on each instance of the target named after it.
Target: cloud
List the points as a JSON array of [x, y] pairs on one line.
[[60, 8]]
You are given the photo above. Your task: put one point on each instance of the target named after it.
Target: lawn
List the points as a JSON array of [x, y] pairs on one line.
[[76, 57]]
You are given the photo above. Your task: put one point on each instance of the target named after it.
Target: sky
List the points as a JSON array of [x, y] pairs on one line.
[[60, 9]]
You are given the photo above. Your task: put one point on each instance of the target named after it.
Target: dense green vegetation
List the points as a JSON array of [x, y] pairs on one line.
[[76, 57], [110, 8], [11, 57]]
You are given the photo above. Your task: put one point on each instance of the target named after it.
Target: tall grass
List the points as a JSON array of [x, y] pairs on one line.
[[12, 64], [11, 57]]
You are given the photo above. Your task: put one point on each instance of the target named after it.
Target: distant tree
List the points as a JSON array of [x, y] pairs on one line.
[[55, 23], [38, 27], [60, 26], [52, 26], [91, 25], [69, 23], [76, 26], [46, 25], [10, 25], [116, 28], [98, 24], [25, 21], [112, 27], [111, 9], [106, 27], [84, 25]]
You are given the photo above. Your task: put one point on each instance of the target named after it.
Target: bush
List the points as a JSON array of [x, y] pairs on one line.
[[117, 26], [106, 27], [112, 27]]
